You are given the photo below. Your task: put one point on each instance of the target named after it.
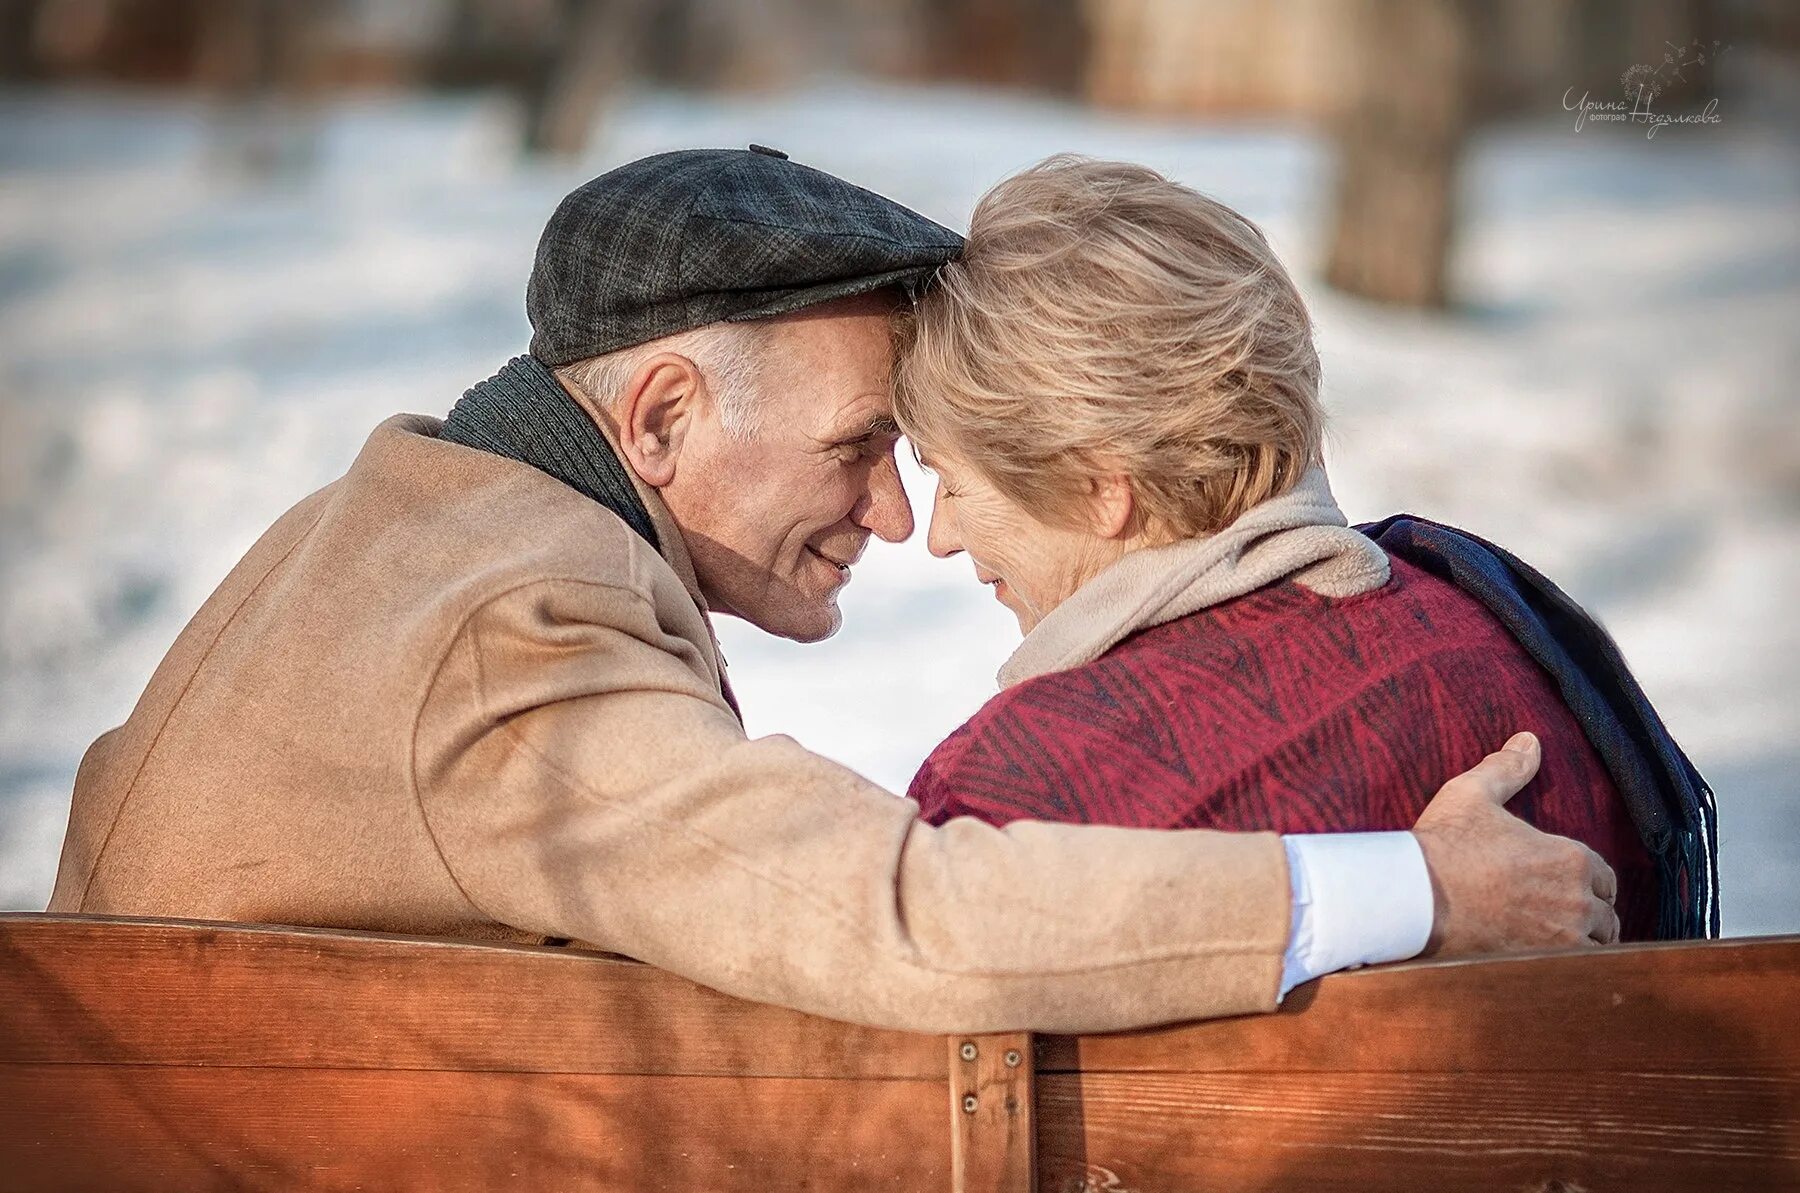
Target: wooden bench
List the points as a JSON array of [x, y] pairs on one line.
[[140, 1054]]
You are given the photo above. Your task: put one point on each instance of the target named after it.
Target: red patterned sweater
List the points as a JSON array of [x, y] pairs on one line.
[[1288, 711]]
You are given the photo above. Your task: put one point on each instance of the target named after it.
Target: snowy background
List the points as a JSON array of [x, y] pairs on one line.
[[186, 351]]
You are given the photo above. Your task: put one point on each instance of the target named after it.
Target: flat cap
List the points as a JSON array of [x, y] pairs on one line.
[[679, 240]]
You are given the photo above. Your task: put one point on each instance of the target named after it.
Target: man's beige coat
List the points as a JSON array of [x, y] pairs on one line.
[[448, 695]]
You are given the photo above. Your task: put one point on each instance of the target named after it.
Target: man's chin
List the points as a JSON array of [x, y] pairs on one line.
[[817, 627], [813, 624], [818, 635]]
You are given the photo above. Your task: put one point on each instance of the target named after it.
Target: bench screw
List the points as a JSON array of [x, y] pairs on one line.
[[968, 1052]]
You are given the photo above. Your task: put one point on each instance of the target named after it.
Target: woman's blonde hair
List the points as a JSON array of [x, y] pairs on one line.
[[1103, 319]]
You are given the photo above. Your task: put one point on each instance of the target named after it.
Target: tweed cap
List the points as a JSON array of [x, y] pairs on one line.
[[682, 239]]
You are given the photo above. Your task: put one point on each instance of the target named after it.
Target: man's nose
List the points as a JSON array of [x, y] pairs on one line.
[[887, 514], [942, 538]]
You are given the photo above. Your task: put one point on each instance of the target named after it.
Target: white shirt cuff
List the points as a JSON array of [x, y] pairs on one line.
[[1359, 899]]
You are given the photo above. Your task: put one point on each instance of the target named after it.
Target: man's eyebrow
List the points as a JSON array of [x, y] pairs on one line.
[[879, 427]]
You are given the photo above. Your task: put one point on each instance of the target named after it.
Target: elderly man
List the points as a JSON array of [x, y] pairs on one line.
[[471, 687]]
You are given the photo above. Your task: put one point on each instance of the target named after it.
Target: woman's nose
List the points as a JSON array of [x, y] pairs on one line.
[[942, 539]]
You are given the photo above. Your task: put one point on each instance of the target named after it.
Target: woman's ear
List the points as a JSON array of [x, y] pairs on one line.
[[1111, 506], [655, 413]]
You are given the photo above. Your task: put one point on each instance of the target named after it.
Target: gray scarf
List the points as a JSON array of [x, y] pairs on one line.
[[523, 413]]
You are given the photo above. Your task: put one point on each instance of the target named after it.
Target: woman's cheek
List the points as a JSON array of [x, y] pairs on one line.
[[983, 538]]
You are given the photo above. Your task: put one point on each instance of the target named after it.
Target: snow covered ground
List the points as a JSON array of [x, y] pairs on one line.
[[185, 352]]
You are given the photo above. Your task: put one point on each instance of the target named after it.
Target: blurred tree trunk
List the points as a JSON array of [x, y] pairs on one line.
[[264, 59], [18, 23], [1399, 138], [599, 46], [1039, 44]]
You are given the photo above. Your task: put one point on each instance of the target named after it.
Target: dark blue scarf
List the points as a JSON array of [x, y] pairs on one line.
[[1669, 802]]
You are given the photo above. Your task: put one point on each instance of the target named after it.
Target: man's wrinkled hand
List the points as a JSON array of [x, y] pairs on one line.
[[1500, 885]]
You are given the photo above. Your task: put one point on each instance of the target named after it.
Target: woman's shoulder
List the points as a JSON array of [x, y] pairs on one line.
[[1072, 744], [965, 765], [1414, 610], [1036, 748]]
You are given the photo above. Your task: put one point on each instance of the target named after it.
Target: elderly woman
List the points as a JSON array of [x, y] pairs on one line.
[[1118, 391]]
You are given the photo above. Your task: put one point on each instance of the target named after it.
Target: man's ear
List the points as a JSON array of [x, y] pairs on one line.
[[655, 414]]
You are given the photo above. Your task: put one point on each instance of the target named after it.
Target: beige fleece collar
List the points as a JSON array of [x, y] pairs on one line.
[[1301, 534]]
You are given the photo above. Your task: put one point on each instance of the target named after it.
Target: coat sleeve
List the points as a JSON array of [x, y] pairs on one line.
[[582, 777]]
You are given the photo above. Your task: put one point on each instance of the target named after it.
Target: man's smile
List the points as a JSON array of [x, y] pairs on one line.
[[841, 565]]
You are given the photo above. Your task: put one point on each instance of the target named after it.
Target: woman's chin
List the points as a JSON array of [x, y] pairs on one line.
[[1026, 618]]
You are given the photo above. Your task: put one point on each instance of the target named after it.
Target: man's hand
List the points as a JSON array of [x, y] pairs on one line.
[[1500, 885]]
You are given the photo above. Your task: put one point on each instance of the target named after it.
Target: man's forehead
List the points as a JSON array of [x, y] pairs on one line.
[[853, 343], [838, 369]]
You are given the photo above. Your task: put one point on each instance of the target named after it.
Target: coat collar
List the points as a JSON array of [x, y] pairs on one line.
[[671, 545], [673, 548]]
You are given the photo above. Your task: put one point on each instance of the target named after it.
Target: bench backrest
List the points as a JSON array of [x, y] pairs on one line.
[[173, 1054]]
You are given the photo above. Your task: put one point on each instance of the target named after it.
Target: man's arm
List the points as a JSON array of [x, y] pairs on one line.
[[1362, 898], [1357, 898], [581, 779]]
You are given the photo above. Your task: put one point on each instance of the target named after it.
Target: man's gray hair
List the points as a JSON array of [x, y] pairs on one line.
[[728, 355]]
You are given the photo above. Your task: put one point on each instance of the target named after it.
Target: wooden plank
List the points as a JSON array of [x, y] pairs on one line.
[[140, 1054], [121, 1128], [1423, 1132], [1727, 1007], [993, 1137], [1662, 1067], [90, 988]]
